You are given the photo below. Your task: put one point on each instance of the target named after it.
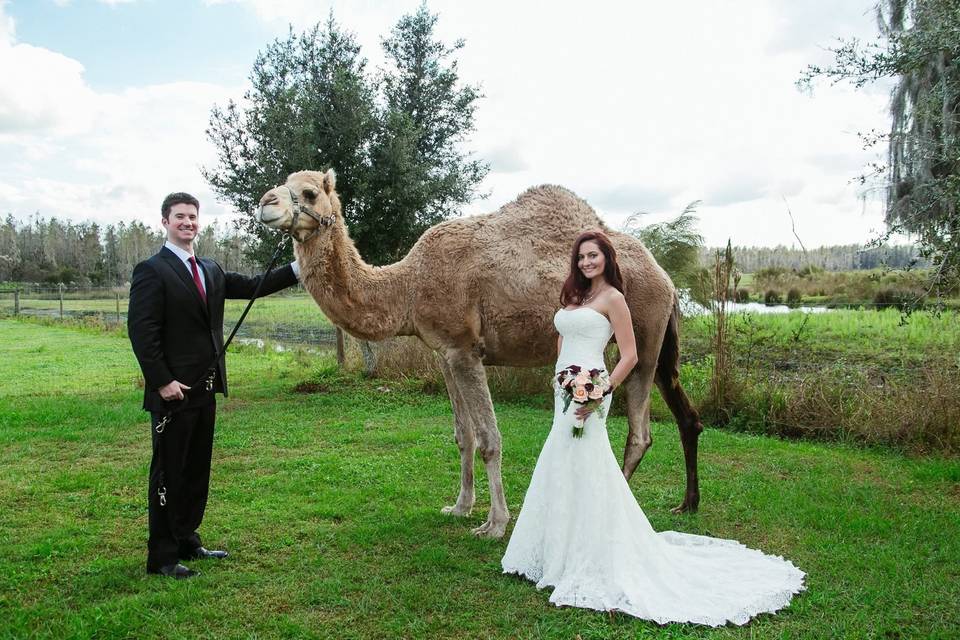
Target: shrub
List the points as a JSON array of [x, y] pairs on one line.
[[769, 272], [793, 296], [899, 298], [743, 295], [772, 296]]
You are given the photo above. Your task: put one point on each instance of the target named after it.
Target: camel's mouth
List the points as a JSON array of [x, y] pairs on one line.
[[274, 217]]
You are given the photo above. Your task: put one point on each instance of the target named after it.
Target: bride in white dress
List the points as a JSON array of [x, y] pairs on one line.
[[581, 531]]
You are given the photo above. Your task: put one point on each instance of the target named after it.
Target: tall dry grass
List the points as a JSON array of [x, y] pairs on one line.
[[921, 414], [717, 407]]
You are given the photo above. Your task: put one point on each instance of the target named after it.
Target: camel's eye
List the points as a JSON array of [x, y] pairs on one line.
[[310, 194]]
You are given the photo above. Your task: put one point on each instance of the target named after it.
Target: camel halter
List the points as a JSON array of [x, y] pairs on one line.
[[298, 208]]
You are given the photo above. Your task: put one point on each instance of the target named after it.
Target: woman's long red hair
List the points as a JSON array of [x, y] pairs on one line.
[[576, 287]]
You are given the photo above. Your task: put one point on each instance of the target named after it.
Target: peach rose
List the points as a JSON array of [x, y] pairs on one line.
[[597, 392], [580, 393], [581, 379]]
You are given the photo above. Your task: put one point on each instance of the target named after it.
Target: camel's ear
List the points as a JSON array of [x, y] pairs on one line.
[[329, 181]]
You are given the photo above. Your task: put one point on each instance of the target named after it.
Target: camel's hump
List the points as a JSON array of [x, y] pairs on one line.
[[548, 213]]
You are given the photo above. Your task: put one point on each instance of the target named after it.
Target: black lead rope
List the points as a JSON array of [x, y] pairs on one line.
[[211, 370]]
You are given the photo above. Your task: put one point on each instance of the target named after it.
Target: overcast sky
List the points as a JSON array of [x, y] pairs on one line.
[[635, 106]]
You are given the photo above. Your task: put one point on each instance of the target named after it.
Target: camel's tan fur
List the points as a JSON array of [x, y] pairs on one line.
[[483, 290]]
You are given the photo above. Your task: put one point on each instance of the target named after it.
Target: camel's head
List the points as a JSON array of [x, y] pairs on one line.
[[303, 206]]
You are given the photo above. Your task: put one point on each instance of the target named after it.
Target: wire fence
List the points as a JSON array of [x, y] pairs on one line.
[[288, 318]]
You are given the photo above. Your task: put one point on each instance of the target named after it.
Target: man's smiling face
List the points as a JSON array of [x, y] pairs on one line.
[[182, 225]]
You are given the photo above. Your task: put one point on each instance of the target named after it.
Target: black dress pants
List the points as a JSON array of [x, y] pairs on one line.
[[180, 466]]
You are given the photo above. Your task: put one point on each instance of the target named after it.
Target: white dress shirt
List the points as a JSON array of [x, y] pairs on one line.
[[185, 256]]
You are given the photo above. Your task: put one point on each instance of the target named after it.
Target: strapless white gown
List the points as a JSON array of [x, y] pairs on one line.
[[581, 531]]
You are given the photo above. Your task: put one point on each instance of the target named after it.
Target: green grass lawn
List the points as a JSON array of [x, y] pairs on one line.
[[329, 503]]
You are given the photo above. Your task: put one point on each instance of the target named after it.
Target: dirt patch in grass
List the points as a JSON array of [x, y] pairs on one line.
[[311, 387]]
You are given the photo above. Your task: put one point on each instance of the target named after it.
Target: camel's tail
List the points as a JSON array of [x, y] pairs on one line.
[[668, 375]]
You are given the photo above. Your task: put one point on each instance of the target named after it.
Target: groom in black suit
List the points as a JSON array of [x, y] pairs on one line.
[[175, 323]]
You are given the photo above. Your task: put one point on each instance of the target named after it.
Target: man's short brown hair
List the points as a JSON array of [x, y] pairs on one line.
[[177, 198]]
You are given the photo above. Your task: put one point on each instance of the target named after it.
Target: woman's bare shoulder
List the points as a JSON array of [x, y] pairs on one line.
[[614, 298], [614, 294], [610, 302]]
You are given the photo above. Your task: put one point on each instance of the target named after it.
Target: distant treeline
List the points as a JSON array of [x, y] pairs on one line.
[[851, 257], [87, 254]]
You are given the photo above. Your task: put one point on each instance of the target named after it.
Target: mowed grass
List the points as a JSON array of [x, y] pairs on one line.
[[329, 503]]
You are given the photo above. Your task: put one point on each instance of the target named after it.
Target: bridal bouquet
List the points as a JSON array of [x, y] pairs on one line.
[[585, 387]]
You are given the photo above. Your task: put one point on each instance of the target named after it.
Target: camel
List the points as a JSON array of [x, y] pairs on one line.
[[483, 290]]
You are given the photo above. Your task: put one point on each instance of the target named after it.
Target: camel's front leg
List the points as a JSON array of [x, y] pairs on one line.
[[466, 442], [470, 380], [637, 387]]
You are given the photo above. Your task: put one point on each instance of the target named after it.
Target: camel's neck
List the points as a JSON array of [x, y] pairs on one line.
[[372, 303]]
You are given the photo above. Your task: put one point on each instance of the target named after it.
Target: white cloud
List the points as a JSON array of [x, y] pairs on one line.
[[631, 105], [505, 159], [143, 144], [40, 90], [801, 24], [629, 198]]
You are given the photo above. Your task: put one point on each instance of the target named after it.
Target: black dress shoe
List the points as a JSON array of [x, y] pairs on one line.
[[201, 554], [177, 571]]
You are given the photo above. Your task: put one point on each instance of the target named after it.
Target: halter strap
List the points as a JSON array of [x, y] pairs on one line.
[[298, 208]]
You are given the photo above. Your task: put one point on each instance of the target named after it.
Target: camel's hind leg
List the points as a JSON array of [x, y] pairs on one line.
[[466, 442], [637, 387], [470, 380], [688, 420]]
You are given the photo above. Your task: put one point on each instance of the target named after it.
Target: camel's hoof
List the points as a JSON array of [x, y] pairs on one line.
[[456, 510], [490, 530], [684, 507]]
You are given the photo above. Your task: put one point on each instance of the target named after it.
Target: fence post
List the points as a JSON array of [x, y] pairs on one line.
[[60, 287], [118, 306], [16, 301], [341, 350]]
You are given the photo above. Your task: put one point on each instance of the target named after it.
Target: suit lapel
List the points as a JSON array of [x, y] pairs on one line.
[[185, 276]]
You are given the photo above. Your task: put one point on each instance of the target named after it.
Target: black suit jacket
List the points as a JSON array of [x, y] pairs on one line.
[[173, 333]]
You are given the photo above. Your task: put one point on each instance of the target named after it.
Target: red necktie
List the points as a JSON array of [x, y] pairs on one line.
[[196, 278]]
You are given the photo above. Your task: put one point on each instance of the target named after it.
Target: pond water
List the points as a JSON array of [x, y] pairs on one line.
[[691, 308]]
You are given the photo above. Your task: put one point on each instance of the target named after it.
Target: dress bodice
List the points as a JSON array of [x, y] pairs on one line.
[[586, 333]]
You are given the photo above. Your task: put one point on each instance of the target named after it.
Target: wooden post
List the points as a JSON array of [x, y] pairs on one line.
[[16, 301], [118, 307], [60, 287], [341, 349]]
